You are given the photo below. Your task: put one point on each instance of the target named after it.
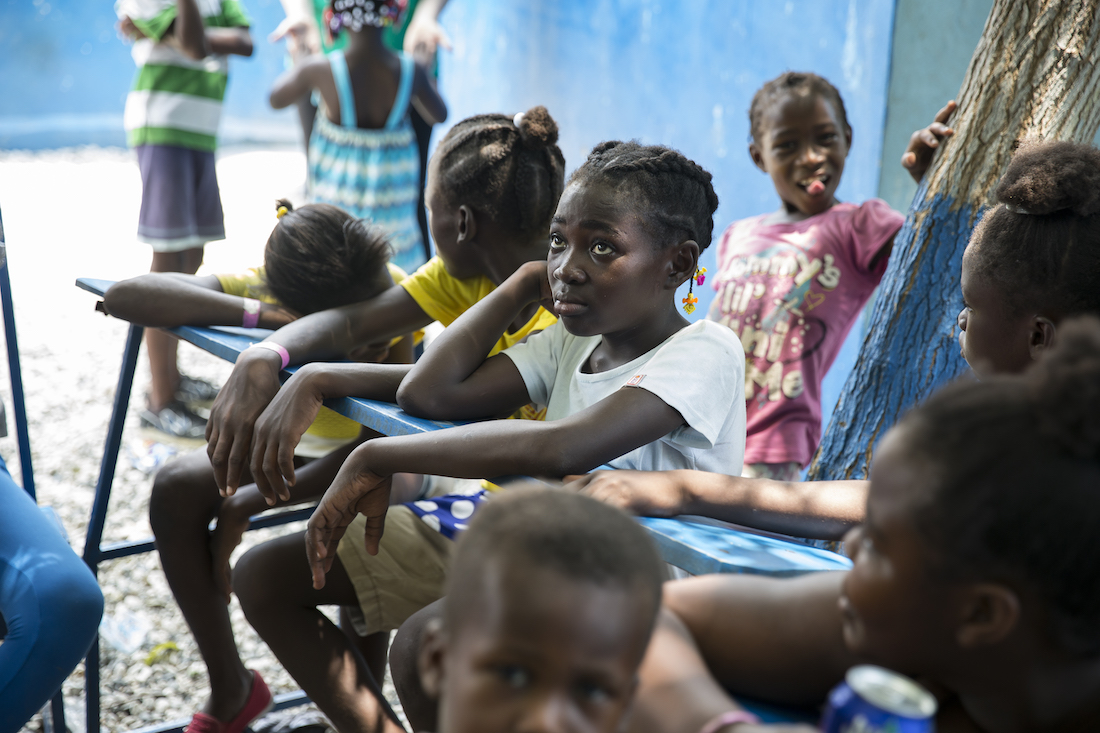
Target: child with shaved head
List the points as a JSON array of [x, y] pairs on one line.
[[550, 603]]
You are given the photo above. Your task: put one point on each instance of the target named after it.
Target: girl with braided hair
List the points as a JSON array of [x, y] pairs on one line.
[[625, 379]]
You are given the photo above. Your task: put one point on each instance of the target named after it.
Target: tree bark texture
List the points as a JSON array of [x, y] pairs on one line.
[[1034, 75]]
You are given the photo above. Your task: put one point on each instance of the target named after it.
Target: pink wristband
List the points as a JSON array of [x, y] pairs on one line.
[[272, 346], [251, 313], [730, 718]]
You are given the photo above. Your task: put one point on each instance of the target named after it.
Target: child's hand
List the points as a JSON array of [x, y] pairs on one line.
[[644, 493], [127, 29], [252, 384], [422, 38], [536, 283], [278, 431], [924, 142], [233, 519], [301, 35], [354, 491]]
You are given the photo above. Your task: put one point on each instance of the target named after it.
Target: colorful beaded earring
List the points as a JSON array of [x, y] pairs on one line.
[[697, 279]]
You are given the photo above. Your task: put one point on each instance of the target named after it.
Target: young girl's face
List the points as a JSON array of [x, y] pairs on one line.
[[608, 273], [802, 146], [895, 612], [993, 339]]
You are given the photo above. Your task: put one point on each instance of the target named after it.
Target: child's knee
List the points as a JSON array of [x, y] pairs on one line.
[[184, 486], [256, 581]]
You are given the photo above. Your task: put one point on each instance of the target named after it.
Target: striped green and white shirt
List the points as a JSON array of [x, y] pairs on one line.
[[175, 99]]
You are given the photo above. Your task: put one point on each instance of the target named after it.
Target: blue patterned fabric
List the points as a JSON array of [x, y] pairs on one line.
[[372, 174], [448, 514]]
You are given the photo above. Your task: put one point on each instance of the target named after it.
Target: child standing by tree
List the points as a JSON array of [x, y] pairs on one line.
[[172, 113], [792, 283], [363, 155]]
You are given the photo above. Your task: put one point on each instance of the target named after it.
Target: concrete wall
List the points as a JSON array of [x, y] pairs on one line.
[[64, 75]]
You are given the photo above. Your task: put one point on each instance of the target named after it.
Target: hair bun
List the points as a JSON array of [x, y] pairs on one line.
[[284, 203], [1048, 177], [1066, 386], [537, 128]]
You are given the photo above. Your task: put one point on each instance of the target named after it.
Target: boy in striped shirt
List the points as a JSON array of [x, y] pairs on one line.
[[171, 119]]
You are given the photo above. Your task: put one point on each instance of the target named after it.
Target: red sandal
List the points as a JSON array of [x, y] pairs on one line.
[[259, 702]]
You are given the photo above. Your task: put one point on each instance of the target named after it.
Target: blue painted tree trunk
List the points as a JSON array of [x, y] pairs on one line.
[[1033, 74]]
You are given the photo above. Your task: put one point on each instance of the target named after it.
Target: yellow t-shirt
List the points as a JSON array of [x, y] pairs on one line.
[[445, 298], [330, 429]]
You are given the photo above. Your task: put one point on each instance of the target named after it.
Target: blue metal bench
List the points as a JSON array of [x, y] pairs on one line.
[[697, 546]]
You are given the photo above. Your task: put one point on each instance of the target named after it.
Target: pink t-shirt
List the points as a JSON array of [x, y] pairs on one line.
[[792, 292]]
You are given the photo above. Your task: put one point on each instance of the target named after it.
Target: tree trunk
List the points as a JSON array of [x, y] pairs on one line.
[[1035, 74]]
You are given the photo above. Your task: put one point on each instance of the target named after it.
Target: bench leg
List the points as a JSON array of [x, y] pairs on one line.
[[93, 553]]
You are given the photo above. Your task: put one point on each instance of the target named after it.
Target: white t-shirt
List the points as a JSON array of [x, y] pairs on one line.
[[699, 371]]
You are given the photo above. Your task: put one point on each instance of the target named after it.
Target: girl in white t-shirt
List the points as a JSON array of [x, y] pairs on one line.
[[626, 381]]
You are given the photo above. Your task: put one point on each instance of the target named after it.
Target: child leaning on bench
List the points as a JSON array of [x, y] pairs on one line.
[[317, 257], [626, 381]]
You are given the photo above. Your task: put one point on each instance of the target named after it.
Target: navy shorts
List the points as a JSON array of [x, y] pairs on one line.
[[181, 207]]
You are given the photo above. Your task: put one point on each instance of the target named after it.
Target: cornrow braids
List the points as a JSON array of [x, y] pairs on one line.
[[1041, 244], [508, 168], [675, 193], [794, 82], [1013, 481], [320, 257]]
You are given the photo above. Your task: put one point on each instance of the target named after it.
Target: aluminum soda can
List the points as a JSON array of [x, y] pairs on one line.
[[875, 700]]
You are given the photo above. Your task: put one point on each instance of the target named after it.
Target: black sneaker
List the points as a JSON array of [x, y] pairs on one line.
[[175, 419], [193, 391]]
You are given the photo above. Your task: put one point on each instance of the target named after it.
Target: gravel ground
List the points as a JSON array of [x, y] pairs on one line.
[[73, 213]]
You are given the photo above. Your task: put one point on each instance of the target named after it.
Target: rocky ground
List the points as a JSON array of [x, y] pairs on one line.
[[73, 213]]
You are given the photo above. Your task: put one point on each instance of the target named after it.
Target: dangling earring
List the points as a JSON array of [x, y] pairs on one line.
[[698, 278]]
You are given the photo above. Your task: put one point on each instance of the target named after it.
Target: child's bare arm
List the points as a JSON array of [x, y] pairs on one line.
[[296, 81], [188, 30], [163, 299], [197, 41], [454, 380], [254, 381], [281, 425], [778, 640], [925, 141], [612, 427], [816, 509], [426, 99], [226, 41]]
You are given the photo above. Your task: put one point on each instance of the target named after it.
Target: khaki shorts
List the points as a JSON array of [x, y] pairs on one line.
[[409, 569]]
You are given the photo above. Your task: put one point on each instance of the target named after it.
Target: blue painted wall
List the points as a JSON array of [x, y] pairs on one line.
[[64, 74], [677, 74]]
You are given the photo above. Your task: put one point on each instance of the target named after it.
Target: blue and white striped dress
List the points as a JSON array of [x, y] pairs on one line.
[[371, 174]]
